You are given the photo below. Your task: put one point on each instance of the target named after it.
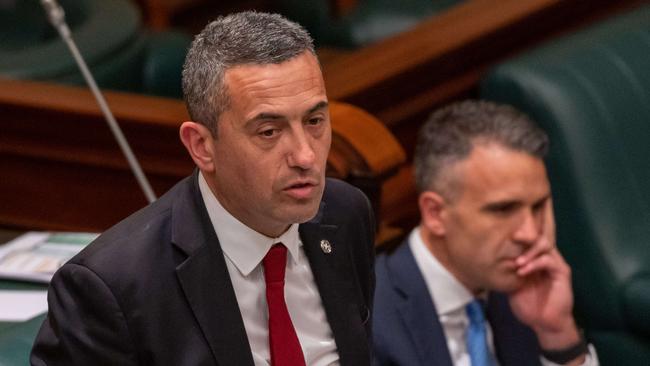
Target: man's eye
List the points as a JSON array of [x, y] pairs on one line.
[[268, 133], [537, 207], [314, 121], [503, 208]]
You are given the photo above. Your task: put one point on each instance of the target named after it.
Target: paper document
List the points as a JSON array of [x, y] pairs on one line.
[[35, 256], [19, 306]]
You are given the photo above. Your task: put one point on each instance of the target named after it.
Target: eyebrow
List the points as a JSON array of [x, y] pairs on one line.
[[274, 116], [542, 200], [506, 203], [320, 105], [498, 205]]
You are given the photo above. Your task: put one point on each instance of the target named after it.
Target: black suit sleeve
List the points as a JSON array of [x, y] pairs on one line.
[[371, 272], [85, 324]]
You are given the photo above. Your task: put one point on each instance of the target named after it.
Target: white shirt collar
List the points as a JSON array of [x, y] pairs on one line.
[[450, 294], [244, 246]]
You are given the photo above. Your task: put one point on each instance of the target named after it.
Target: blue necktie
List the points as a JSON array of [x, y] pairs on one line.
[[476, 336]]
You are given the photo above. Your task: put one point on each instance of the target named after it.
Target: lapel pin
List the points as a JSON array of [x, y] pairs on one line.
[[326, 246]]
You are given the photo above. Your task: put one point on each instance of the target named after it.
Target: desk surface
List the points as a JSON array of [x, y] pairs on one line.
[[16, 338], [5, 236]]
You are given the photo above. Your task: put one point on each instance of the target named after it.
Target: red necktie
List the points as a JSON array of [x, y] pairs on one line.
[[283, 341]]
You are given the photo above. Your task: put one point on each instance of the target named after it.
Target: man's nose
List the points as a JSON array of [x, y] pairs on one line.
[[528, 230], [301, 153]]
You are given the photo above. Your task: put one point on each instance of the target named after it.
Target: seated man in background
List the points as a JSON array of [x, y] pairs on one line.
[[480, 280]]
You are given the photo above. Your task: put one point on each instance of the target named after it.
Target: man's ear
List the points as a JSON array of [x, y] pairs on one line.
[[199, 143], [432, 207]]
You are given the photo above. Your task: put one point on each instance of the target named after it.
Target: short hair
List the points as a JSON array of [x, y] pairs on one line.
[[237, 39], [451, 132]]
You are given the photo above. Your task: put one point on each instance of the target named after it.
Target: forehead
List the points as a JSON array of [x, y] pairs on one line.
[[302, 71], [493, 173]]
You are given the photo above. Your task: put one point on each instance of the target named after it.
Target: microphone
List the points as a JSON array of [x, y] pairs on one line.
[[56, 16]]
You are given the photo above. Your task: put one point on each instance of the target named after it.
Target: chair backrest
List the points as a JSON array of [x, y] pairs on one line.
[[591, 93], [368, 21], [109, 35], [100, 28]]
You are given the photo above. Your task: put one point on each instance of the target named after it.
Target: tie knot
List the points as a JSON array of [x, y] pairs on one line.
[[475, 312], [275, 263]]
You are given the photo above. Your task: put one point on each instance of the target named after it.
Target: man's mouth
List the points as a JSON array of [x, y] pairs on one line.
[[301, 189], [509, 263]]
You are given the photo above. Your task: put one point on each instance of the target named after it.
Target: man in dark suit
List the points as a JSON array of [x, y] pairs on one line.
[[255, 259], [479, 281]]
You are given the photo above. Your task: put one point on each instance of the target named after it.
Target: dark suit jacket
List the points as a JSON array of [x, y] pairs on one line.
[[406, 329], [155, 290]]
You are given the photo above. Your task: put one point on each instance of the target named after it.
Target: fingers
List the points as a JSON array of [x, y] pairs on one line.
[[542, 262], [543, 245], [550, 262]]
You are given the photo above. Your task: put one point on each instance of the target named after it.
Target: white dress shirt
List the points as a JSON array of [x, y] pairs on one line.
[[244, 249], [450, 300]]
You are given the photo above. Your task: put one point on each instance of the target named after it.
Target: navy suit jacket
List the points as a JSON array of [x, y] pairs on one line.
[[406, 329], [155, 290]]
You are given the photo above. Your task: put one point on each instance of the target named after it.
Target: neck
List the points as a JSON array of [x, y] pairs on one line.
[[438, 247], [264, 227]]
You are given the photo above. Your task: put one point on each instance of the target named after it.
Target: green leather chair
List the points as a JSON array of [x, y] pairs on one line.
[[110, 36], [368, 22], [16, 342], [591, 92], [16, 339]]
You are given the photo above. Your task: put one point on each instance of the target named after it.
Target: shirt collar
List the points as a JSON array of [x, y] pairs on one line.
[[244, 246], [447, 293]]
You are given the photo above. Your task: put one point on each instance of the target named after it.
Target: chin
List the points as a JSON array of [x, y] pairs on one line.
[[308, 215], [303, 213], [508, 283]]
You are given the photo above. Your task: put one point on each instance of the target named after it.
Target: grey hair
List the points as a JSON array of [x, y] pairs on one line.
[[451, 132], [236, 39]]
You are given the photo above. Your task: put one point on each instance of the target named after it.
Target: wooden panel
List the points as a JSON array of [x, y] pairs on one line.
[[158, 13], [61, 168], [401, 79]]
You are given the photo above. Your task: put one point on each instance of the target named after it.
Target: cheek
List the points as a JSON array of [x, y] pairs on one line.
[[327, 143], [239, 170], [478, 248], [322, 145]]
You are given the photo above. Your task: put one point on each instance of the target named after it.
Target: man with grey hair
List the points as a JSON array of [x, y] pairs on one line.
[[255, 259], [480, 280]]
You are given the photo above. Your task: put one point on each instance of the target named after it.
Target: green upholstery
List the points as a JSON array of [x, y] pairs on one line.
[[370, 21], [22, 23], [163, 59], [16, 339], [591, 93], [100, 29], [16, 342], [109, 35]]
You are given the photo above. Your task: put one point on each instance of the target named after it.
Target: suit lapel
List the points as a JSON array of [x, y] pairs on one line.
[[417, 311], [334, 276], [205, 281]]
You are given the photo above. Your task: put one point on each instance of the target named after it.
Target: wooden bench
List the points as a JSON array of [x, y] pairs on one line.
[[61, 168]]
